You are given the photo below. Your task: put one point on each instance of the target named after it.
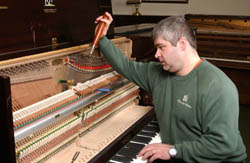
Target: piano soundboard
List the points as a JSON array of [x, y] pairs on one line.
[[98, 138]]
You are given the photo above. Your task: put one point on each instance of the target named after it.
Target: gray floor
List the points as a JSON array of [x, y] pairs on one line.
[[245, 127]]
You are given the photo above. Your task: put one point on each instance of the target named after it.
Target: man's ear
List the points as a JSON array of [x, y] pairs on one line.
[[182, 43]]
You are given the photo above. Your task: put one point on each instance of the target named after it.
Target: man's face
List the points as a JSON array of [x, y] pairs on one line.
[[169, 56]]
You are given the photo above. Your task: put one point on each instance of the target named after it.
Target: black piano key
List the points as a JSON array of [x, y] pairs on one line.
[[135, 145], [153, 124], [127, 153], [136, 148], [154, 121], [141, 139], [148, 134], [135, 151], [151, 129], [120, 158]]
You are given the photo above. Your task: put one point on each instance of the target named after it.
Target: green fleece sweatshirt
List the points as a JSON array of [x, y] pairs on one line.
[[197, 113]]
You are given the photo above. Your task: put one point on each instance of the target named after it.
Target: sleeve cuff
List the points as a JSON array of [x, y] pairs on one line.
[[178, 147]]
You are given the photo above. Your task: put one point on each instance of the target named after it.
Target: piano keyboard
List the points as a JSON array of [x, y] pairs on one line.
[[128, 153]]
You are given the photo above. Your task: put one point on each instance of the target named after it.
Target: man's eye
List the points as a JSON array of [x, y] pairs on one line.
[[161, 47]]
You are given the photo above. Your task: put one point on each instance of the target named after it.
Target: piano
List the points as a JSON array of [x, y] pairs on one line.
[[65, 103]]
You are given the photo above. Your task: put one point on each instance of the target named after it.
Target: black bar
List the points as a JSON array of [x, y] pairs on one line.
[[6, 121]]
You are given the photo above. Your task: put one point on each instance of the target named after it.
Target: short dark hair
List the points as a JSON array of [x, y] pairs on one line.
[[173, 28]]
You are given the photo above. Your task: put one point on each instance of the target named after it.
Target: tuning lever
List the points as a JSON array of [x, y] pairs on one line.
[[98, 35]]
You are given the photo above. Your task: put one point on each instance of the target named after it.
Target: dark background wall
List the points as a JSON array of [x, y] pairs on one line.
[[28, 27]]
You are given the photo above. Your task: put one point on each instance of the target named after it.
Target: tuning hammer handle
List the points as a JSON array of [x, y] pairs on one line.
[[98, 34]]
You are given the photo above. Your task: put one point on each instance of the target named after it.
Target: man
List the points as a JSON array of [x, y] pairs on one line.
[[196, 104]]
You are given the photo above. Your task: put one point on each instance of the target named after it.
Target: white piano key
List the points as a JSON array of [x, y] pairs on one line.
[[139, 160], [115, 161]]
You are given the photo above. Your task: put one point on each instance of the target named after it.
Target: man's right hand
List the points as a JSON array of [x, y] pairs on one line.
[[108, 20]]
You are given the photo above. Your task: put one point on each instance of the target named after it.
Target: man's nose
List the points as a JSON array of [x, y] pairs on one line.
[[157, 54]]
